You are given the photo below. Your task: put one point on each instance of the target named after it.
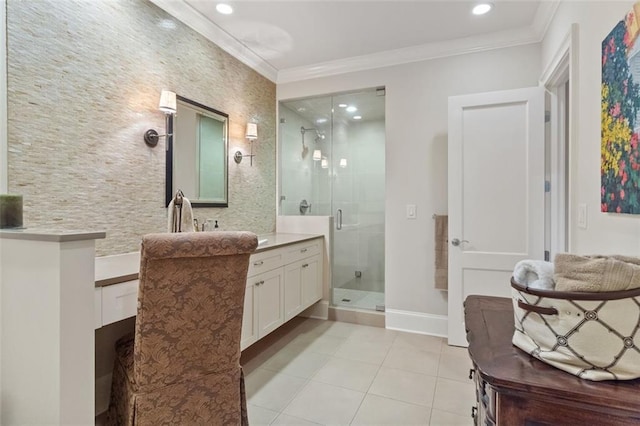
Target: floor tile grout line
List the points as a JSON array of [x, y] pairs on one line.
[[390, 345], [291, 399]]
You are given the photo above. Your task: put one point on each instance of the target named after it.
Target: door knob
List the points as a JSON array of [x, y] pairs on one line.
[[456, 242]]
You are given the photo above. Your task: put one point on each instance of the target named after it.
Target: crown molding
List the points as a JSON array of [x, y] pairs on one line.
[[407, 55], [546, 11], [532, 34], [182, 11], [194, 19]]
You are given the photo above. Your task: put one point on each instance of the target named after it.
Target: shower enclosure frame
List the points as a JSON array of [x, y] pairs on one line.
[[344, 165]]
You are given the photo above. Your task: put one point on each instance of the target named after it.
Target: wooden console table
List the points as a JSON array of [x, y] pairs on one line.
[[513, 388]]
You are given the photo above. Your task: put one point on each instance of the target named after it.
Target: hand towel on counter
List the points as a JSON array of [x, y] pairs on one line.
[[180, 219], [596, 273], [534, 274], [442, 252]]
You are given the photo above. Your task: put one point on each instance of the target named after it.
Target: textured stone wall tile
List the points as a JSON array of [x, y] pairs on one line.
[[84, 80]]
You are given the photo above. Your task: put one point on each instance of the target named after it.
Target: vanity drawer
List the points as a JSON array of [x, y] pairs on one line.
[[302, 250], [265, 261], [119, 301]]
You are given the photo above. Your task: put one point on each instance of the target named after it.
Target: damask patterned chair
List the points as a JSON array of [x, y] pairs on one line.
[[182, 365]]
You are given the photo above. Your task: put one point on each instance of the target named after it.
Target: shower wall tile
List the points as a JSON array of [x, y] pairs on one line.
[[84, 79], [301, 176]]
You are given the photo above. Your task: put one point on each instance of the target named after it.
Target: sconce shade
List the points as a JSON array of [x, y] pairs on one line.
[[252, 131], [167, 102], [343, 162], [324, 163], [317, 155]]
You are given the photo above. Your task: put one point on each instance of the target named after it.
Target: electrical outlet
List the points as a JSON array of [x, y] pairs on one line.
[[582, 216], [411, 211]]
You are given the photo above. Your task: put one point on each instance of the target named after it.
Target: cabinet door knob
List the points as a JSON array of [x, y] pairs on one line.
[[305, 265], [258, 263], [304, 250], [259, 283]]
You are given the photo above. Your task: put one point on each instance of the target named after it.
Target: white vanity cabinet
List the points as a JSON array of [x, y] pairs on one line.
[[293, 283], [303, 286], [263, 303], [284, 278], [311, 280]]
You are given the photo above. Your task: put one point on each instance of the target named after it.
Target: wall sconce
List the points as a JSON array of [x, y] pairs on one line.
[[343, 162], [251, 134], [168, 106], [317, 155], [324, 164]]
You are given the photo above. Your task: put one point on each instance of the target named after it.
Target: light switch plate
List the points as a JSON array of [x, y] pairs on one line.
[[582, 216], [411, 211]]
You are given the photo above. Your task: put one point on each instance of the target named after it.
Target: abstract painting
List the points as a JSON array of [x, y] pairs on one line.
[[620, 157]]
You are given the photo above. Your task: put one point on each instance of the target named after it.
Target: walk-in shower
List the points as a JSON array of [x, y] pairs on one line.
[[339, 171]]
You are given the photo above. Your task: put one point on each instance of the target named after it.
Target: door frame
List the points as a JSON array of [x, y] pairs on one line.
[[563, 68]]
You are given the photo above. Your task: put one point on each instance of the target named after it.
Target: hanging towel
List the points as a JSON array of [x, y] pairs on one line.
[[180, 214], [442, 252], [596, 273], [534, 274]]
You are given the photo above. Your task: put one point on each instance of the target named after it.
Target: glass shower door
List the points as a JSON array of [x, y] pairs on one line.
[[358, 165]]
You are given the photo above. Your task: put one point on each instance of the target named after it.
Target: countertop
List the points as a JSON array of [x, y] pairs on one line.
[[125, 267], [51, 235], [281, 239]]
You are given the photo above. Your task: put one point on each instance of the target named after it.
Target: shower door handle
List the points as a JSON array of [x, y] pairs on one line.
[[339, 219]]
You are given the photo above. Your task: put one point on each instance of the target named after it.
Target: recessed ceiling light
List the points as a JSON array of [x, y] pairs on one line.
[[482, 8], [342, 105], [357, 117], [224, 8], [321, 120], [352, 109]]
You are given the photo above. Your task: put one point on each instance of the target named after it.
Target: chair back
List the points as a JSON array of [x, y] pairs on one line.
[[190, 305]]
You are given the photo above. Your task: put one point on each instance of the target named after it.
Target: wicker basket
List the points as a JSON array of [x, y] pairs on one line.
[[595, 336]]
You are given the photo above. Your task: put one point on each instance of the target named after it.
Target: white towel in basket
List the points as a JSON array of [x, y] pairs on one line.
[[534, 274]]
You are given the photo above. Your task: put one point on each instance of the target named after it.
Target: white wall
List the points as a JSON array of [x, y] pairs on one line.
[[416, 153], [605, 233]]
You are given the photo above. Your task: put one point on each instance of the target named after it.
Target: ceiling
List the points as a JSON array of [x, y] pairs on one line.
[[307, 38]]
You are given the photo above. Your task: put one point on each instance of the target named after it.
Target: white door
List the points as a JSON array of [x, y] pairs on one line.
[[496, 193]]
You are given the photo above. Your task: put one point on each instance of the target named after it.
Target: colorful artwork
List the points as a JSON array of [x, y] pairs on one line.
[[620, 156]]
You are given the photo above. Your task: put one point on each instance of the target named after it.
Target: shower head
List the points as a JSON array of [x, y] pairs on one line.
[[319, 135]]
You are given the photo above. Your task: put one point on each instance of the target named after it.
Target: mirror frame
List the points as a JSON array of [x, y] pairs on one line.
[[169, 191]]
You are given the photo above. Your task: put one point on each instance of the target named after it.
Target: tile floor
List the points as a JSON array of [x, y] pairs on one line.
[[315, 372]]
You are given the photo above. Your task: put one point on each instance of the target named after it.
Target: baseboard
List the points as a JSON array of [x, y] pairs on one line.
[[417, 322], [103, 392], [319, 310]]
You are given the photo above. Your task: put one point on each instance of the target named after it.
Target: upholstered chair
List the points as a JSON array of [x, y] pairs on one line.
[[182, 365]]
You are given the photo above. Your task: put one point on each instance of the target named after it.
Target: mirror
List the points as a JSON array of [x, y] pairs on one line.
[[197, 154]]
